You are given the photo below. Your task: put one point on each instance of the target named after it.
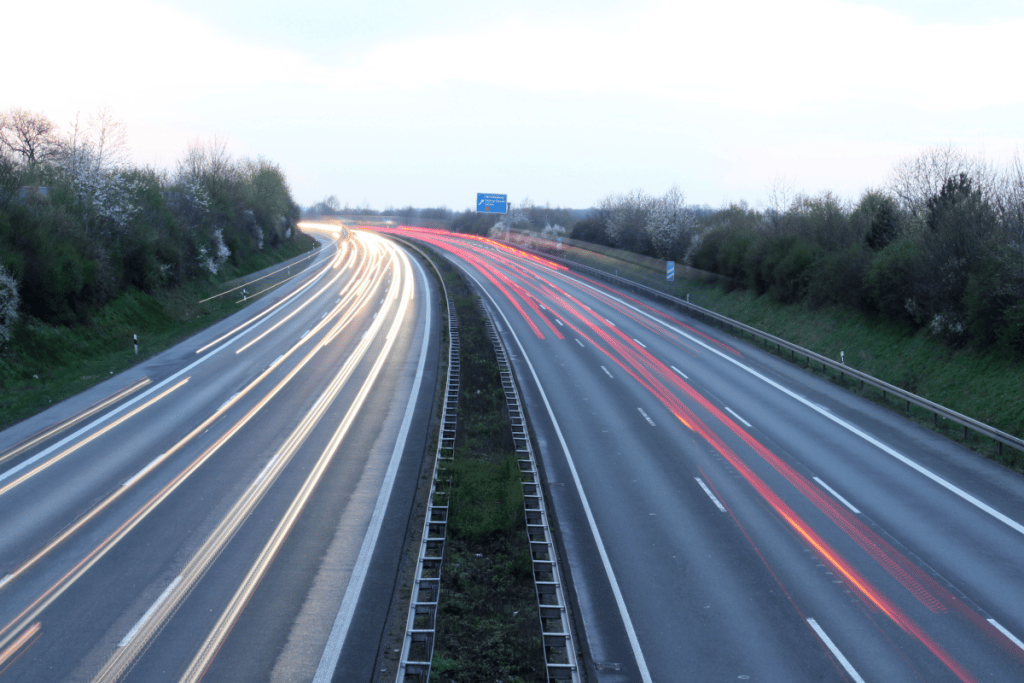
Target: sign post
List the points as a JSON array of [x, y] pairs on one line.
[[670, 271]]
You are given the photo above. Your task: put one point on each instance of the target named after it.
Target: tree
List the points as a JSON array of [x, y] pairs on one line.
[[669, 225], [29, 135], [915, 179]]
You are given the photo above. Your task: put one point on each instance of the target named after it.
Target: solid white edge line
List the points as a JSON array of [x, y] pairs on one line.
[[1016, 526], [620, 602], [1016, 641], [837, 496], [712, 496], [679, 372], [336, 640], [734, 414], [152, 608], [835, 650]]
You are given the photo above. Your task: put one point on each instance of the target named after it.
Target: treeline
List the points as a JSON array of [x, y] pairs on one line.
[[940, 246], [79, 225]]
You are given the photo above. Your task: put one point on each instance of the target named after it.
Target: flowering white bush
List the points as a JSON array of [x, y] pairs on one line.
[[8, 305], [221, 252]]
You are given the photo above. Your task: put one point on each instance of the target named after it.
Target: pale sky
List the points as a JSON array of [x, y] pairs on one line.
[[396, 103]]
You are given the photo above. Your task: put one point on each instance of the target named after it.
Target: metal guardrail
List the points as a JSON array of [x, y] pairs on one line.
[[556, 628], [937, 410], [421, 624]]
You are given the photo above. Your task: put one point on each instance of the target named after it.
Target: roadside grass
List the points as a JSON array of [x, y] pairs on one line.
[[986, 386], [488, 627], [46, 364]]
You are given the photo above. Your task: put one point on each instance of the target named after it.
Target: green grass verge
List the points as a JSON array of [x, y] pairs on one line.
[[45, 364]]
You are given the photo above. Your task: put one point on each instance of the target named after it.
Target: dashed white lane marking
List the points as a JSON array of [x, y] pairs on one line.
[[559, 322], [581, 344], [152, 608], [606, 371], [646, 416], [838, 497], [835, 651], [609, 322], [1002, 629], [642, 345], [712, 496], [733, 413], [144, 471], [679, 372]]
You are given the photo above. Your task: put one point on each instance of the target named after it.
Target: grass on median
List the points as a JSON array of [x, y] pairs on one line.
[[488, 627]]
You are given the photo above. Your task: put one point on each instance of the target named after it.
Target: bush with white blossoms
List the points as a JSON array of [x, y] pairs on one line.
[[213, 261], [8, 305]]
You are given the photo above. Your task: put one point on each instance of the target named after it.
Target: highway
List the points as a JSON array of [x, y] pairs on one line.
[[232, 509], [724, 515]]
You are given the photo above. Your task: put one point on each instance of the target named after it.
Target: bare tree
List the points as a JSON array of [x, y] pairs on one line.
[[29, 135], [915, 179]]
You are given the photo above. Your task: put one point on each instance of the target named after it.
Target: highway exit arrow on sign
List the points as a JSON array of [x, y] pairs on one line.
[[492, 203]]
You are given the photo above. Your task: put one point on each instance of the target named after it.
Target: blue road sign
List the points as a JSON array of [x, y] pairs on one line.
[[492, 203], [670, 271]]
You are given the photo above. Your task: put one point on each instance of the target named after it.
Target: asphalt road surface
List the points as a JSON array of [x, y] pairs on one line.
[[726, 516], [232, 508]]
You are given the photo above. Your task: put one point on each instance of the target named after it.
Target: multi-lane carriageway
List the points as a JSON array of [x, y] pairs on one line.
[[232, 509], [727, 516], [236, 510]]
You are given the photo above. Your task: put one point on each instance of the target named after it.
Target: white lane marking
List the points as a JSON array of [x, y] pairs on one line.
[[543, 307], [835, 651], [581, 344], [144, 471], [714, 499], [329, 659], [679, 372], [5, 580], [642, 345], [734, 414], [559, 322], [646, 416], [304, 335], [324, 315], [606, 371], [838, 497], [276, 361], [152, 390], [268, 467], [1016, 641], [1016, 526], [152, 608], [227, 402], [609, 322], [620, 602]]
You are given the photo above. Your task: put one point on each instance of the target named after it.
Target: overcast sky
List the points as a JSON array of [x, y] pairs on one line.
[[392, 103]]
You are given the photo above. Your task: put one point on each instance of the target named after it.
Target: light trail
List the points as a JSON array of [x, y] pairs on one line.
[[201, 662], [36, 607], [64, 425], [95, 435], [661, 381]]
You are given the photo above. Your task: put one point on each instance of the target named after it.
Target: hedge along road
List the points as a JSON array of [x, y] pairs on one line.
[[226, 527], [726, 516]]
